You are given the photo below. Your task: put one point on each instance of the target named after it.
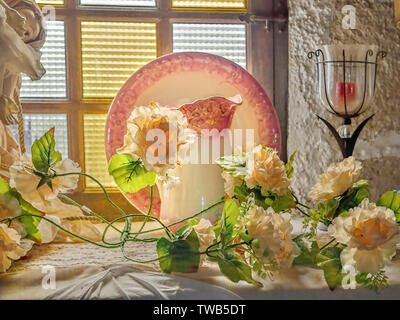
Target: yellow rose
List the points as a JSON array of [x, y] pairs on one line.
[[336, 180], [370, 234], [143, 141], [266, 169]]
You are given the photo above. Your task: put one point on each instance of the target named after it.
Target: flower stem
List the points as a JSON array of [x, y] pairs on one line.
[[98, 183], [183, 220], [303, 212], [327, 244], [164, 227], [67, 231], [303, 205], [148, 214], [62, 196], [197, 214]]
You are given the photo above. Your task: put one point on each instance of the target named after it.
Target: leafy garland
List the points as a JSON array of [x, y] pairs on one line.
[[232, 249]]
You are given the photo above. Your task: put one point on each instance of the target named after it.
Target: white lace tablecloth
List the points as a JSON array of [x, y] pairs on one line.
[[74, 263]]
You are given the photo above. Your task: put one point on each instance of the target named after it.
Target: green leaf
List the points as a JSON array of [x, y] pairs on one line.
[[31, 223], [345, 214], [289, 166], [375, 282], [283, 203], [307, 257], [130, 175], [361, 184], [180, 255], [328, 208], [234, 267], [235, 165], [266, 199], [244, 235], [329, 261], [229, 219], [352, 199], [242, 192], [4, 187], [44, 155], [391, 200]]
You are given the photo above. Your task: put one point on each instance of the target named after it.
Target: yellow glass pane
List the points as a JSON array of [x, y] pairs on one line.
[[95, 155], [217, 4], [50, 2], [133, 3], [112, 52]]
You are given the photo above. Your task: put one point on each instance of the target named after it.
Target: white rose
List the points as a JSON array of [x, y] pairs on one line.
[[26, 182], [11, 246], [230, 182], [9, 206], [205, 234], [274, 234], [47, 229]]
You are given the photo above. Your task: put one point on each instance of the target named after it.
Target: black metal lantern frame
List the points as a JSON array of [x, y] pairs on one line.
[[343, 137]]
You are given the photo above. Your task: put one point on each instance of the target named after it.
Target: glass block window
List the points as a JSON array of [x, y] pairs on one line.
[[226, 40], [112, 52], [133, 3], [95, 155], [35, 125], [54, 82], [220, 4], [94, 46], [50, 2]]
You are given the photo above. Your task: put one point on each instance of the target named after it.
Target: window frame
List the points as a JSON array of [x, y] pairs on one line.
[[262, 50]]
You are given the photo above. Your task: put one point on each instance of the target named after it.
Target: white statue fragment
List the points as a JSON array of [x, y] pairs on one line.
[[22, 35]]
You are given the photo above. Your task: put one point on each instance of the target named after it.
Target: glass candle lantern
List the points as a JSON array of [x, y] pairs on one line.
[[346, 76], [346, 85]]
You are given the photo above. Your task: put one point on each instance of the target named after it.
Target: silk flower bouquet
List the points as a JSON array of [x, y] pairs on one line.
[[252, 238]]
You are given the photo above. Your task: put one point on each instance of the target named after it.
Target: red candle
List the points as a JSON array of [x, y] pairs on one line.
[[341, 88], [350, 90]]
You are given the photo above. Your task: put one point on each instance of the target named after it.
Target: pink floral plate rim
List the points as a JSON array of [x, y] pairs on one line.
[[230, 72]]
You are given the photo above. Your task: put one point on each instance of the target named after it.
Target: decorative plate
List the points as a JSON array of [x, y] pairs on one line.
[[182, 78]]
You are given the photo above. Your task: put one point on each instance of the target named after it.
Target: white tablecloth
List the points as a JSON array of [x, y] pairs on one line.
[[86, 271]]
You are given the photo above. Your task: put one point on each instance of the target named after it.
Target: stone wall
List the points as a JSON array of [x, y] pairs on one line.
[[315, 22]]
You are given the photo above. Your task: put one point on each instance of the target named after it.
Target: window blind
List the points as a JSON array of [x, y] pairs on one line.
[[220, 4], [226, 40], [95, 156], [50, 2], [54, 82], [112, 52]]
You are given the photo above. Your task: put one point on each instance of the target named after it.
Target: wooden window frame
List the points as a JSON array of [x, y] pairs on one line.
[[267, 51]]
